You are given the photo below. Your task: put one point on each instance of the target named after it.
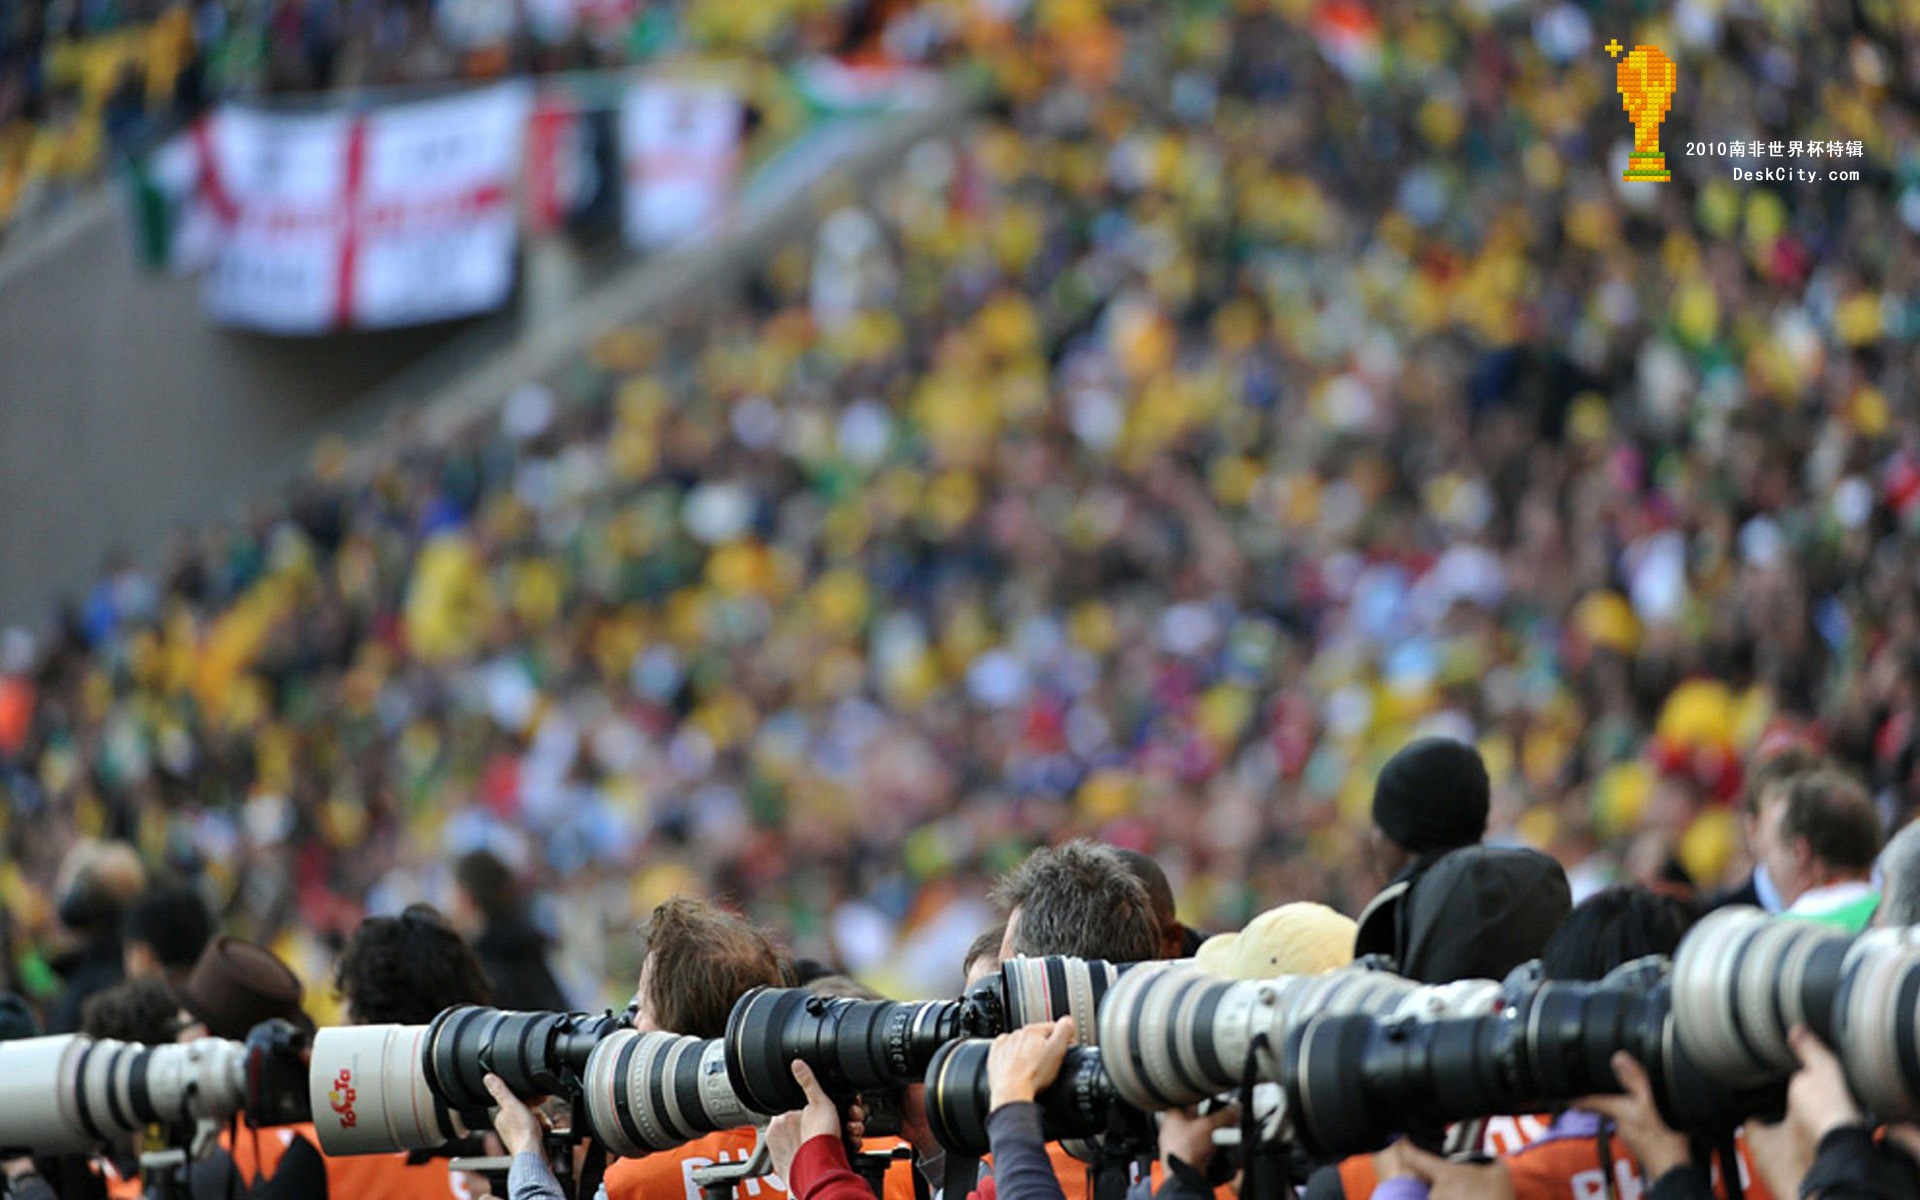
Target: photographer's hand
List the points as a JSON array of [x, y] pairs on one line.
[[1818, 1099], [1636, 1118], [521, 1129], [1188, 1136], [789, 1131], [1026, 1060]]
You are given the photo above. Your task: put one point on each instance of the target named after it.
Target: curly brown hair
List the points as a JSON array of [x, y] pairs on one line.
[[406, 969]]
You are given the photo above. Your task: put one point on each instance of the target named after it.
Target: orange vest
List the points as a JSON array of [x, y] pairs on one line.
[[257, 1153], [1553, 1168], [668, 1174], [119, 1187], [391, 1177], [1570, 1166], [1500, 1137]]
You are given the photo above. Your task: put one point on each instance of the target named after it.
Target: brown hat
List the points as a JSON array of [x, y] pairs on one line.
[[237, 984]]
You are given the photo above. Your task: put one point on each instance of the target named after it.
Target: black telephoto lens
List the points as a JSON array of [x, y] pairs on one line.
[[1355, 1081], [534, 1054], [1077, 1104], [853, 1046]]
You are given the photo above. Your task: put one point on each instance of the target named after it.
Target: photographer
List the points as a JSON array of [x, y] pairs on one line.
[[1475, 912], [402, 969], [1603, 1146], [235, 985], [699, 960], [1080, 900]]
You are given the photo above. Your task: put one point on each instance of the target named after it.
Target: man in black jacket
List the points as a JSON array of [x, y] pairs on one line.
[[490, 910]]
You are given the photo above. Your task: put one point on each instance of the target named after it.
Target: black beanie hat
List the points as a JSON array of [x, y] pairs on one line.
[[1432, 796]]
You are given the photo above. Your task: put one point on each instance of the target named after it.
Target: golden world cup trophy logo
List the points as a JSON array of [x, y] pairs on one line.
[[1646, 78]]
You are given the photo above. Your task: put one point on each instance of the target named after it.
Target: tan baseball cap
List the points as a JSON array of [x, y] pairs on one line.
[[1301, 938]]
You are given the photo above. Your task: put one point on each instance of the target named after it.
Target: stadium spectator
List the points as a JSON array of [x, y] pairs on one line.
[[489, 908], [1079, 899], [1765, 785], [1161, 493], [1819, 845], [164, 931], [100, 879]]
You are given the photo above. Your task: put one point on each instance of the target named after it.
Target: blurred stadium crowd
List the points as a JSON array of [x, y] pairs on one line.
[[84, 82], [1251, 388]]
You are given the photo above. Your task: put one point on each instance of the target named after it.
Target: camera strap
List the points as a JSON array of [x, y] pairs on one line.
[[1729, 1167], [1603, 1143], [959, 1176], [1265, 1164], [592, 1168]]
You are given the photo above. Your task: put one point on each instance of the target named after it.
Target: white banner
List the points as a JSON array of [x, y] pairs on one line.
[[680, 150], [399, 216]]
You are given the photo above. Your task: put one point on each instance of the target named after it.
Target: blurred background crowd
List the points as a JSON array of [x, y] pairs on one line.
[[85, 83], [1251, 387]]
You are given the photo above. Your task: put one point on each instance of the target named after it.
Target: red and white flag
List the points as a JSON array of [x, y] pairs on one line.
[[680, 148], [398, 216]]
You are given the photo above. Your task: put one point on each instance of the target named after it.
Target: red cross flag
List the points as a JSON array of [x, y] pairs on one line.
[[680, 143], [397, 216]]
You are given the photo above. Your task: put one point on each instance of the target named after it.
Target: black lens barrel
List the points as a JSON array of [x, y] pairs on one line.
[[959, 1098], [853, 1046]]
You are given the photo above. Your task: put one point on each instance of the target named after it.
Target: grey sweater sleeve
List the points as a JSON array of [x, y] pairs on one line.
[[1021, 1168], [31, 1187], [530, 1178]]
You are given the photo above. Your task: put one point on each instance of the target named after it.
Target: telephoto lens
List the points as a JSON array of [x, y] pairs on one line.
[[654, 1091], [1743, 980], [380, 1088], [1048, 988], [1176, 1036], [1078, 1104], [534, 1054], [68, 1094], [1353, 1082], [370, 1093], [853, 1046], [1877, 1022]]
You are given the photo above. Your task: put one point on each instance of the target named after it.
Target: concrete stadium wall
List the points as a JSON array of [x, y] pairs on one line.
[[124, 415]]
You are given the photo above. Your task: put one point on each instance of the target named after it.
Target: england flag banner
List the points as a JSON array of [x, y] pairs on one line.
[[398, 216], [680, 148]]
